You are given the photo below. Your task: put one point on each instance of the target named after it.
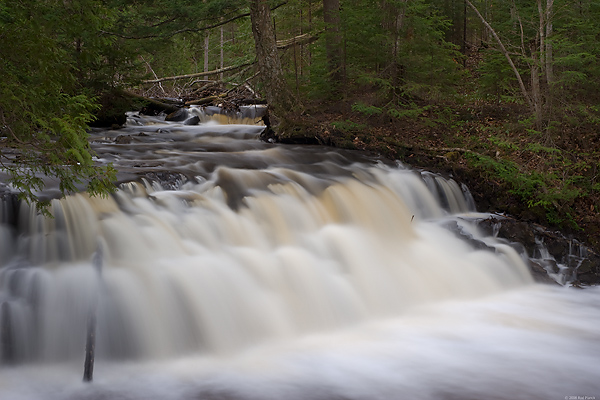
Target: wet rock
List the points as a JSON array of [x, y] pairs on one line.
[[460, 233], [540, 274], [195, 120], [556, 246], [167, 180], [518, 231], [123, 139], [588, 272], [180, 114], [548, 251]]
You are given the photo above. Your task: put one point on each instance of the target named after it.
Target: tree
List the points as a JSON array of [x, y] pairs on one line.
[[43, 120], [333, 42], [275, 88]]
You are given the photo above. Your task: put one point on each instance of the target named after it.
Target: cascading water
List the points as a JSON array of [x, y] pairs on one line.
[[276, 272]]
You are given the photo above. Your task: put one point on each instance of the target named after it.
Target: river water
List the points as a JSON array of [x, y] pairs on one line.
[[237, 269]]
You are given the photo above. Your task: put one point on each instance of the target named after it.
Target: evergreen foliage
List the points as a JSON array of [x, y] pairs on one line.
[[61, 58], [43, 118]]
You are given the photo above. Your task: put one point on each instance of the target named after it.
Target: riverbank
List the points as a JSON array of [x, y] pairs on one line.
[[542, 177]]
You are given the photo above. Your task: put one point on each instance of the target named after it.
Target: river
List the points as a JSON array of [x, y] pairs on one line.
[[237, 269]]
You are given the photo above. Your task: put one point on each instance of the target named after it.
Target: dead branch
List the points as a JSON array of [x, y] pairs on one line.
[[203, 101], [506, 54], [303, 39], [214, 72]]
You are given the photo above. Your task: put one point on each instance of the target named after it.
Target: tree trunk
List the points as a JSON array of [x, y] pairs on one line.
[[542, 37], [333, 41], [536, 92], [549, 59], [221, 54], [275, 88], [394, 14], [206, 43], [549, 31]]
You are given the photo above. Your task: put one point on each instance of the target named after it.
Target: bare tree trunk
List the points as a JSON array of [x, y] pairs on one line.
[[536, 92], [275, 88], [542, 36], [222, 58], [464, 33], [333, 40], [549, 31], [507, 55], [394, 21], [206, 43]]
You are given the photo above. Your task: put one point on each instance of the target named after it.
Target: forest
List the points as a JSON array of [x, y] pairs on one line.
[[501, 94]]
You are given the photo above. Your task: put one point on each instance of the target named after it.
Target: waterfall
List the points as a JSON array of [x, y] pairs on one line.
[[187, 271], [259, 245]]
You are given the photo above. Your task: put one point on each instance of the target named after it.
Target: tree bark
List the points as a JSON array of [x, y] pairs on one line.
[[221, 65], [275, 87], [206, 45], [536, 91], [549, 31], [333, 41]]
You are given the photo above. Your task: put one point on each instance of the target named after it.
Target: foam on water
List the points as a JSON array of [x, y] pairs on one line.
[[532, 343]]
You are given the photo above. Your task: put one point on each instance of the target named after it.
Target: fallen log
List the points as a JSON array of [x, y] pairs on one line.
[[155, 104]]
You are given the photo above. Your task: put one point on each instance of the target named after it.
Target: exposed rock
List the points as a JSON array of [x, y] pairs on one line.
[[548, 251], [540, 274], [167, 180], [589, 270], [195, 120], [511, 229], [123, 139], [180, 114]]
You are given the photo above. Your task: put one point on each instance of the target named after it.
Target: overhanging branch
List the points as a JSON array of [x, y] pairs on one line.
[[186, 30]]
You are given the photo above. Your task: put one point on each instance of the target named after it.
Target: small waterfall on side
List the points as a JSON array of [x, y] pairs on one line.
[[238, 270]]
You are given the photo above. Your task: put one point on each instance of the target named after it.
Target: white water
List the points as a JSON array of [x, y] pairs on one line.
[[283, 277]]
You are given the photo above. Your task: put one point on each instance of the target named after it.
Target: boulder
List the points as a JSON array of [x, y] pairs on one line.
[[195, 120], [178, 115]]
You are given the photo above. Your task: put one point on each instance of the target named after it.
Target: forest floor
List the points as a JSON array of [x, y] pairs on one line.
[[548, 178]]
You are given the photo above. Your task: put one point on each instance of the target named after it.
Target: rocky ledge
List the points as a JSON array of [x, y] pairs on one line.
[[553, 257]]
